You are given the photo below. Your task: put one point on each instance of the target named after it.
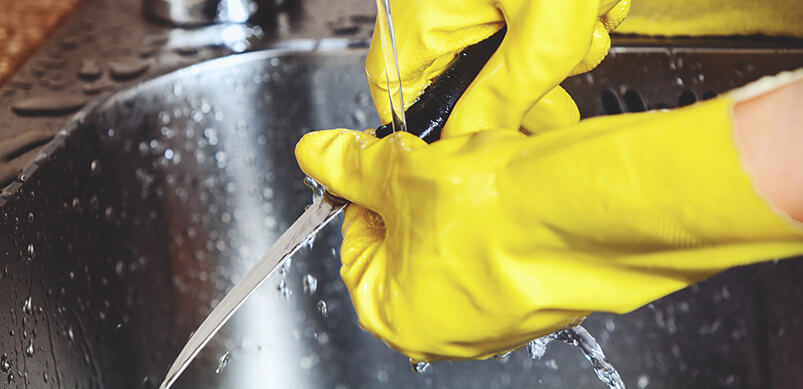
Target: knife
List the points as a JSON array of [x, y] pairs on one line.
[[425, 118]]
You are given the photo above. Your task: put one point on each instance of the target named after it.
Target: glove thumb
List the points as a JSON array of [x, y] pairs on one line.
[[353, 165]]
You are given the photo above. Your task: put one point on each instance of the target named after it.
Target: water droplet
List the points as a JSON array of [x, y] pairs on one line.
[[307, 244], [382, 376], [676, 62], [127, 68], [94, 166], [29, 350], [283, 289], [186, 51], [285, 267], [551, 364], [322, 308], [309, 361], [317, 189], [419, 367], [50, 104], [362, 98], [310, 284], [643, 381], [30, 216], [222, 362], [90, 69], [5, 364], [504, 356], [358, 117], [27, 306], [30, 249], [98, 87], [70, 334]]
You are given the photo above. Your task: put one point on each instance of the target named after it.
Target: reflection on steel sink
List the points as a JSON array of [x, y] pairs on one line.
[[154, 202]]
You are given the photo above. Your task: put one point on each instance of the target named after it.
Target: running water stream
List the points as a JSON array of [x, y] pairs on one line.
[[581, 338], [391, 57]]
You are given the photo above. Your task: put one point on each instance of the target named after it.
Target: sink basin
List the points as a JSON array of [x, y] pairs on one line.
[[151, 204]]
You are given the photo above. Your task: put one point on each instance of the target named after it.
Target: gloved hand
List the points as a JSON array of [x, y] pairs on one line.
[[715, 17], [546, 41], [474, 245]]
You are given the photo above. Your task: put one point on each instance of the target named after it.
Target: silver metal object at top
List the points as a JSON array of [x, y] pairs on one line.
[[200, 12]]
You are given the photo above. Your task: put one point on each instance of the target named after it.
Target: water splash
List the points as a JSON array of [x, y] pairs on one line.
[[503, 356], [581, 338], [419, 367], [222, 362], [537, 347], [317, 189]]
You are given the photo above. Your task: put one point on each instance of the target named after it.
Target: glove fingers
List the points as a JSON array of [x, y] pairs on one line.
[[555, 110], [541, 47], [600, 44], [428, 36], [616, 14]]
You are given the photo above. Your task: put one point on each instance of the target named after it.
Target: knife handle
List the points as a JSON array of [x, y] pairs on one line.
[[428, 114]]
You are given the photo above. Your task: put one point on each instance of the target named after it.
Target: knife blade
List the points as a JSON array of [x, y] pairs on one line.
[[316, 216]]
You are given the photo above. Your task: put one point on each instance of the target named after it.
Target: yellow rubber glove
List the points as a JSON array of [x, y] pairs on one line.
[[483, 242], [715, 17], [546, 41]]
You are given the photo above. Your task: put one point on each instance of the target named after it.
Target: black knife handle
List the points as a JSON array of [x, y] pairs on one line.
[[428, 114]]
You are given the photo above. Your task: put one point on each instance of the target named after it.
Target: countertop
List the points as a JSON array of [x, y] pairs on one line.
[[78, 57], [24, 25]]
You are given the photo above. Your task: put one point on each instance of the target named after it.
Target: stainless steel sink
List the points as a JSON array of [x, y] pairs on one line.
[[152, 203]]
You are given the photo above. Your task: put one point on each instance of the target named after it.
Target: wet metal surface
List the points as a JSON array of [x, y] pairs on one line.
[[120, 235]]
